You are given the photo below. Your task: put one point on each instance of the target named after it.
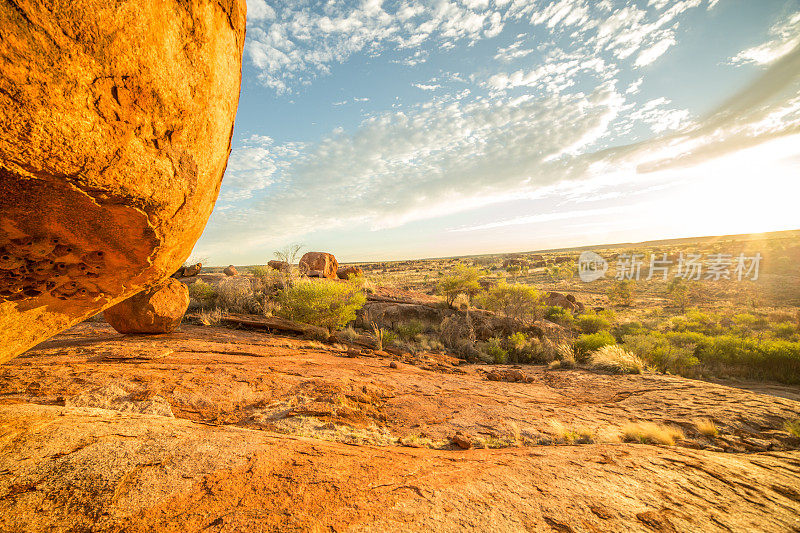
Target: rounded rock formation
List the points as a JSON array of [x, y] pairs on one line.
[[281, 266], [158, 309], [346, 272], [319, 264], [230, 270], [117, 125]]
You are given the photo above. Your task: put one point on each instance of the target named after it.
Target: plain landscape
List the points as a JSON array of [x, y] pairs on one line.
[[399, 265], [458, 395]]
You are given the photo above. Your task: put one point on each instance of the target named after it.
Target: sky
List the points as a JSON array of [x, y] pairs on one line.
[[383, 130]]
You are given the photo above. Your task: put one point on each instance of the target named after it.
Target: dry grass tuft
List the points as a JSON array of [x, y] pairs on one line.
[[793, 427], [651, 433], [210, 318], [616, 359], [707, 427], [580, 434]]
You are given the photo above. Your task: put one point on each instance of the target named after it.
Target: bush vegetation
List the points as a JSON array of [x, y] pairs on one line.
[[324, 303]]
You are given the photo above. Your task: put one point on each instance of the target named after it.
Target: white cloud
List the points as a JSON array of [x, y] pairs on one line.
[[784, 37], [424, 87], [649, 55]]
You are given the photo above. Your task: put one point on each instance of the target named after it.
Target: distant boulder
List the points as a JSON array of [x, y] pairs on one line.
[[158, 309], [281, 266], [566, 301], [324, 262], [230, 270], [346, 272], [188, 271]]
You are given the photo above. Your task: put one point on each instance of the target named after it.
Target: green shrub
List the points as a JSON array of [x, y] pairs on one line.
[[462, 280], [202, 294], [660, 353], [785, 330], [592, 323], [516, 302], [324, 303], [409, 330], [558, 314], [622, 293], [493, 348], [591, 342]]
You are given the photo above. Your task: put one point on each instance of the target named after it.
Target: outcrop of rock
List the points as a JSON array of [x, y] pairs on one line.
[[158, 309], [324, 262], [566, 301], [230, 270], [281, 266], [346, 272], [92, 442], [117, 124]]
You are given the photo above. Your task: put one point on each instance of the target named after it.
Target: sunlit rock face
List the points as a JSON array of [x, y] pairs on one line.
[[117, 120]]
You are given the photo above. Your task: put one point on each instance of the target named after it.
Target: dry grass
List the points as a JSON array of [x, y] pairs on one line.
[[793, 427], [579, 435], [707, 427], [651, 433], [565, 355], [210, 318], [616, 359]]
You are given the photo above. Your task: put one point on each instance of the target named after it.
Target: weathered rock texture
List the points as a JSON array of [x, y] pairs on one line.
[[320, 264], [158, 309], [212, 429], [117, 119], [230, 270]]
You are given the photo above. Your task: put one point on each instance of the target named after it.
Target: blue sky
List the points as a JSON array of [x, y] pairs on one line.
[[404, 129]]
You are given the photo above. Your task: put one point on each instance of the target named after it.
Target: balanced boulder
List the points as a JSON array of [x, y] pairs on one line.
[[117, 125], [323, 262], [158, 309], [230, 270]]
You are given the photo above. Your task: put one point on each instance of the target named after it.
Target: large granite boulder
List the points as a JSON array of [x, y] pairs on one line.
[[117, 120], [319, 264], [158, 309]]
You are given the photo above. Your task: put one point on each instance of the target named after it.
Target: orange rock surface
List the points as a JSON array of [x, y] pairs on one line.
[[117, 122], [231, 430]]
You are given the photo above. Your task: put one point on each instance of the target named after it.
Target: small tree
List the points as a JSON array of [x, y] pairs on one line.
[[325, 303], [516, 302], [622, 293], [462, 280], [288, 255], [680, 293]]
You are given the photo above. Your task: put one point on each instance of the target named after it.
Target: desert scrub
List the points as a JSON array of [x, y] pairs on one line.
[[590, 342], [622, 293], [492, 351], [461, 280], [237, 296], [201, 294], [658, 351], [616, 359], [322, 302], [516, 302], [591, 322], [578, 435], [651, 433]]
